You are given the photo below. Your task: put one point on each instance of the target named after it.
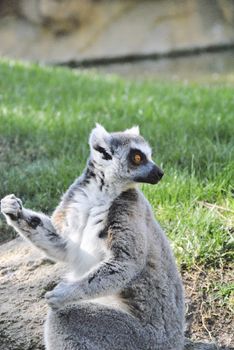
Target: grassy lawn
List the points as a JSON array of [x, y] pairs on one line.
[[46, 115], [45, 118]]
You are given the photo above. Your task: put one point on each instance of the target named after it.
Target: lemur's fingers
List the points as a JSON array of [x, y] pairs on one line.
[[11, 206], [57, 298], [53, 302]]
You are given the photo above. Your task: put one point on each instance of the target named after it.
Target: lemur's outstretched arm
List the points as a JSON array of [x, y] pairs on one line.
[[35, 227], [128, 253]]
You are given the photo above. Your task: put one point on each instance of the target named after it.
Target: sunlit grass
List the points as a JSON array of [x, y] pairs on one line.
[[46, 115]]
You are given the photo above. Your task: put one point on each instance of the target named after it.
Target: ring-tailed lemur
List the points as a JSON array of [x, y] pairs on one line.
[[124, 291]]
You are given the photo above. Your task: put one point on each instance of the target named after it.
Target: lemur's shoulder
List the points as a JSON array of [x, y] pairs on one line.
[[130, 196], [125, 204]]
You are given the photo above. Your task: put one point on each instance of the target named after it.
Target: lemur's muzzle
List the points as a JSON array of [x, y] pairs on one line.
[[152, 174], [155, 175]]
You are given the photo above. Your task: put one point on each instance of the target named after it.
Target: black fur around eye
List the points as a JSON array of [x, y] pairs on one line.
[[137, 157]]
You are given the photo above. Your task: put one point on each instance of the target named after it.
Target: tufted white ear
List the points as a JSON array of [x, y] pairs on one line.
[[99, 142], [99, 136], [133, 131]]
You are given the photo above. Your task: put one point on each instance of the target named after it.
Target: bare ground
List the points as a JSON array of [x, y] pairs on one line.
[[209, 304]]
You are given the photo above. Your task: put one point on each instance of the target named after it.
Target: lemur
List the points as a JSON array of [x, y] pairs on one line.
[[123, 290]]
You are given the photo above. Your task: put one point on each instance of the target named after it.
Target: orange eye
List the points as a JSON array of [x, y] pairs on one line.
[[137, 158]]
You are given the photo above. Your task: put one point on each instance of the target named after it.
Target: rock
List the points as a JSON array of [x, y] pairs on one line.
[[26, 275], [227, 8], [59, 31], [60, 16]]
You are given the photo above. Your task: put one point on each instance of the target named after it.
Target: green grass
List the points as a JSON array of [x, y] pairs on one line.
[[46, 115]]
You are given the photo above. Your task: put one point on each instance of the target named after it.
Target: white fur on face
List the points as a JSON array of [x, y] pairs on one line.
[[108, 159]]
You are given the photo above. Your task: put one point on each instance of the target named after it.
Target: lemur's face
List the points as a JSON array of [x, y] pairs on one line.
[[124, 156]]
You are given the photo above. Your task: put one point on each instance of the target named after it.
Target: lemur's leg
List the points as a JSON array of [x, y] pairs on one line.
[[90, 326], [35, 227]]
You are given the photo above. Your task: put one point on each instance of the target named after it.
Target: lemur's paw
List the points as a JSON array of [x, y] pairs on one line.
[[57, 298], [11, 207]]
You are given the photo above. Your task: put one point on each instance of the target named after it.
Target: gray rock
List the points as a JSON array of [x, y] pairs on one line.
[[25, 276]]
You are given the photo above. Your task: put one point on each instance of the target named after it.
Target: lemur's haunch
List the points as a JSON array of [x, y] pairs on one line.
[[124, 290]]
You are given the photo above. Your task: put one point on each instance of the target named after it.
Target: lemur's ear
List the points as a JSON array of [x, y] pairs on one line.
[[133, 131], [99, 142]]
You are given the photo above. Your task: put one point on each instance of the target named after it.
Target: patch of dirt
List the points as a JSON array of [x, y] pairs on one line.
[[210, 304]]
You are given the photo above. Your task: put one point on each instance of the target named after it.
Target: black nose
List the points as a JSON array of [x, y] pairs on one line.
[[156, 174], [159, 173], [152, 176]]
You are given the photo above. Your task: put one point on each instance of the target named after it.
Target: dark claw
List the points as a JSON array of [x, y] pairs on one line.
[[34, 221], [12, 217]]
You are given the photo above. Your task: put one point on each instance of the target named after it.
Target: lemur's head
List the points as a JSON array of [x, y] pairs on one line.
[[123, 156]]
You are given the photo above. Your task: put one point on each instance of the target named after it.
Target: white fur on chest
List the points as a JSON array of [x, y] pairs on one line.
[[86, 218]]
